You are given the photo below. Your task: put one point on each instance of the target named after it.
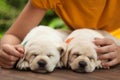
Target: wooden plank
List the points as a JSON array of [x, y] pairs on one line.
[[61, 74]]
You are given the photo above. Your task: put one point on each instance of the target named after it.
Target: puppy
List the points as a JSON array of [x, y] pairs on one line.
[[43, 50], [81, 55]]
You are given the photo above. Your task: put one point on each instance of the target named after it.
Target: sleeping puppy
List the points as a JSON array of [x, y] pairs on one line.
[[43, 49], [81, 55]]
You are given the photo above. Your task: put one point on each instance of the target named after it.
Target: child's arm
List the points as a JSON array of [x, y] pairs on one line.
[[29, 18]]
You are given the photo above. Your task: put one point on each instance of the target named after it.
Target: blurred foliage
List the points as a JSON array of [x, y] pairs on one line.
[[10, 9]]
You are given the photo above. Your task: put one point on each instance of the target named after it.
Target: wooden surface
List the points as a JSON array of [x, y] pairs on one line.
[[61, 74]]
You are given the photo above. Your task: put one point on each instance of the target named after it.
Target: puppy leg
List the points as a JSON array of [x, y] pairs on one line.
[[22, 64]]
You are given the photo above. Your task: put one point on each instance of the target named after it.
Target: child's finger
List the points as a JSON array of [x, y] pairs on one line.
[[102, 42], [12, 51], [7, 57], [105, 49], [20, 48], [110, 63], [5, 65], [107, 56]]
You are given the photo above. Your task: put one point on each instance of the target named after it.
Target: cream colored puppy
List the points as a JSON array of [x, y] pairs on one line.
[[81, 55], [43, 49]]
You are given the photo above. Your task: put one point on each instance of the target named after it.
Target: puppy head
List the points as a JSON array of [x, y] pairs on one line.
[[43, 57], [81, 56]]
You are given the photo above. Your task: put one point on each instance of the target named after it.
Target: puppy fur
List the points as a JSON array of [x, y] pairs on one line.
[[81, 55], [43, 49]]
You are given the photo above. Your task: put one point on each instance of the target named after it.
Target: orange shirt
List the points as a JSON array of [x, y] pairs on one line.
[[95, 14]]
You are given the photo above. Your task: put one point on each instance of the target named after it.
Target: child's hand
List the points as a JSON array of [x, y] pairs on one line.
[[9, 54], [108, 50]]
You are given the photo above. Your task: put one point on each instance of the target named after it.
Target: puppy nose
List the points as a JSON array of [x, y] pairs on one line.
[[82, 64], [41, 63]]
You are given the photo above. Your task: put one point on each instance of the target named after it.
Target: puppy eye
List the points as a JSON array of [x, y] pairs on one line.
[[49, 55], [91, 58], [76, 54], [34, 55]]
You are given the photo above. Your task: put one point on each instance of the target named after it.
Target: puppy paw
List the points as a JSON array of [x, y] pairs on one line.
[[98, 64], [60, 64], [23, 65]]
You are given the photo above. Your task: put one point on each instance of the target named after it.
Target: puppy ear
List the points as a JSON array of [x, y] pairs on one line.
[[62, 48], [64, 58]]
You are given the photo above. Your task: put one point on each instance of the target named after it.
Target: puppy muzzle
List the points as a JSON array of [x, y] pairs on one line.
[[81, 66], [42, 63], [41, 67]]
